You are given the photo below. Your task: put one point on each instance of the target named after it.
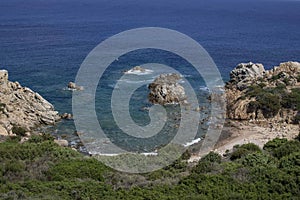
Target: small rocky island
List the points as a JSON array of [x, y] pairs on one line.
[[73, 86], [165, 89], [20, 107]]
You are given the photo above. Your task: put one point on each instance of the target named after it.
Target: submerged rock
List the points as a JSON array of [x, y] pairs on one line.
[[166, 90], [21, 107], [138, 71], [137, 68]]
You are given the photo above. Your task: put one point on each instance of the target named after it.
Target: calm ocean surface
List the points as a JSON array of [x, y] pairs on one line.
[[43, 42]]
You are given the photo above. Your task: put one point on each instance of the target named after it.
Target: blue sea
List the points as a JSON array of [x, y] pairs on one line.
[[44, 42]]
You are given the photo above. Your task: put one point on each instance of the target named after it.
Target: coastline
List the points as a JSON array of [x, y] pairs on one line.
[[237, 132]]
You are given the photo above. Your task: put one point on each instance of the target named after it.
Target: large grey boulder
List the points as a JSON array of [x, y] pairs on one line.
[[243, 73]]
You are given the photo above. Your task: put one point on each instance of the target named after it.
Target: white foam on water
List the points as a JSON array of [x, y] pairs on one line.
[[192, 142], [139, 72], [204, 88]]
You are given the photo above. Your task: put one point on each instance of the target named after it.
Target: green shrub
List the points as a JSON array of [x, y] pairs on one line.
[[268, 99], [298, 78], [77, 169], [262, 85], [40, 138], [269, 104], [20, 131], [13, 139], [275, 77], [292, 100], [271, 145], [208, 163], [239, 153], [286, 81], [258, 159], [14, 166], [244, 150], [203, 167], [212, 157], [287, 149], [253, 90], [186, 155], [251, 147]]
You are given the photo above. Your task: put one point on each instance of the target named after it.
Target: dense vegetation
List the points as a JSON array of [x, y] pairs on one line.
[[40, 169], [271, 99]]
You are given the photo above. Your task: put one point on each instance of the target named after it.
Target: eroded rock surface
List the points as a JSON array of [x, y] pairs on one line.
[[21, 107], [244, 73], [254, 93], [166, 90]]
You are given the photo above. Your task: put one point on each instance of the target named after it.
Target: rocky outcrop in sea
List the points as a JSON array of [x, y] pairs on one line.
[[73, 86], [21, 108], [165, 89], [254, 93]]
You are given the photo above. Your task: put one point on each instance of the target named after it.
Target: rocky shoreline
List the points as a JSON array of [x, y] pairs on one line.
[[276, 94], [254, 93], [261, 104], [22, 109]]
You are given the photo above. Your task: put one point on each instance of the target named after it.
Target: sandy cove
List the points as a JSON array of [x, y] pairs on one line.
[[257, 132]]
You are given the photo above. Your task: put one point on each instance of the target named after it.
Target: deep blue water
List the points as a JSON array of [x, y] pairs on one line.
[[43, 42]]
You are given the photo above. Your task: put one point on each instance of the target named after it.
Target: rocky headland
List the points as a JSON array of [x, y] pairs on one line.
[[22, 109], [261, 105], [254, 93]]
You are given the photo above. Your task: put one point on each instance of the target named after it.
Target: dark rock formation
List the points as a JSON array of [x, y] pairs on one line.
[[66, 116]]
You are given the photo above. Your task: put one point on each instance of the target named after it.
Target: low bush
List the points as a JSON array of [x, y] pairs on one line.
[[274, 144], [20, 131], [244, 150]]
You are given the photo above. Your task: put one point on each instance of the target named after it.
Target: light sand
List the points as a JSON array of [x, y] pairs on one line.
[[259, 133]]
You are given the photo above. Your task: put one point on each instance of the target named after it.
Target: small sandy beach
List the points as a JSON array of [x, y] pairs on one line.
[[257, 132]]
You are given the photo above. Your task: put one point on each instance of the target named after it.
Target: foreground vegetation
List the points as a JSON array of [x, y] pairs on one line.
[[40, 169]]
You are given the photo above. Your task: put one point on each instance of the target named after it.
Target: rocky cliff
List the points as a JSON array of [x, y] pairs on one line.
[[254, 93], [21, 108]]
